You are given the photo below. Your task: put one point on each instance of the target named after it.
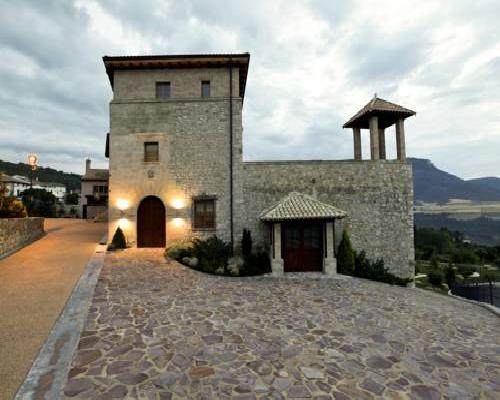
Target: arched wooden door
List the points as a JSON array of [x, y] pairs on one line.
[[151, 223]]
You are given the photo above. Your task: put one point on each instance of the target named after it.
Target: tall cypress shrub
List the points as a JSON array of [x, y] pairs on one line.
[[345, 257], [119, 241]]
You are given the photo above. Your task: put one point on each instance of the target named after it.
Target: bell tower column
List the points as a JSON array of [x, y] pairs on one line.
[[374, 145], [357, 143], [400, 139]]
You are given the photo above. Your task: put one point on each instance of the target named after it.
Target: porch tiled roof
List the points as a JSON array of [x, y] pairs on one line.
[[300, 206]]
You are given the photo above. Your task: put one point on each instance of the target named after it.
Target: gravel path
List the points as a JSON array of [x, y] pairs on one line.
[[157, 330]]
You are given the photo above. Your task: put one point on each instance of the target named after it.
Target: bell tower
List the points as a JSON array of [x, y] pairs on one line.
[[377, 116]]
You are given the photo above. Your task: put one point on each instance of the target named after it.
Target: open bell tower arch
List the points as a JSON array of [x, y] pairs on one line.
[[377, 116]]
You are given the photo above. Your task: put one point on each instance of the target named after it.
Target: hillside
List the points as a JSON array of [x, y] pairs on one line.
[[70, 180], [433, 185]]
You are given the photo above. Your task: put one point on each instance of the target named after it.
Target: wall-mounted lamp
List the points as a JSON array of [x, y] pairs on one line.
[[177, 204], [122, 206]]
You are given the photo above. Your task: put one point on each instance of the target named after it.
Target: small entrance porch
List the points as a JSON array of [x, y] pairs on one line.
[[302, 234]]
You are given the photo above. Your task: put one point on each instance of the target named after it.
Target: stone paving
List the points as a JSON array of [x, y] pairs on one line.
[[158, 330]]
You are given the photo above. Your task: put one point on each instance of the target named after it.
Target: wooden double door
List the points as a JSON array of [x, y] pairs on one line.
[[151, 223], [302, 246]]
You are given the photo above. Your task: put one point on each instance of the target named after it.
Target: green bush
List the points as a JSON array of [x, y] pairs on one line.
[[118, 241], [256, 264], [435, 278], [180, 250], [345, 257], [246, 243], [466, 270], [450, 275], [10, 207], [39, 203], [376, 271], [212, 253], [464, 256]]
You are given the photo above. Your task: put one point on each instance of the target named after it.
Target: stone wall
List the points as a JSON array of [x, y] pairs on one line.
[[18, 232], [184, 83], [193, 137], [377, 195]]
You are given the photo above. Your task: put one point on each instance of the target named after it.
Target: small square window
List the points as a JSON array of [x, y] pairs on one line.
[[151, 151], [162, 90], [205, 88], [204, 214]]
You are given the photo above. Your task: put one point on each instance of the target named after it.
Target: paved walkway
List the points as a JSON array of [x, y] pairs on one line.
[[158, 330], [34, 285]]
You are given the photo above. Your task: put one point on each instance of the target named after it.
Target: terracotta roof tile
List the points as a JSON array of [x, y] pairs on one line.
[[96, 175], [300, 206], [377, 106]]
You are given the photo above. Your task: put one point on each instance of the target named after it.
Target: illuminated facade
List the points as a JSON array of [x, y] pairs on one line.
[[176, 171]]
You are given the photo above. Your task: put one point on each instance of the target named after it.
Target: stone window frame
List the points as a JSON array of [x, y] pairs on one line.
[[161, 95], [199, 198], [153, 160], [205, 83]]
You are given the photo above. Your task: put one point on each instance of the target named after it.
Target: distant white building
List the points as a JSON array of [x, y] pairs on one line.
[[57, 189], [15, 184]]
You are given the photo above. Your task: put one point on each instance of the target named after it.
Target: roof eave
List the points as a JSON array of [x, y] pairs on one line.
[[183, 60]]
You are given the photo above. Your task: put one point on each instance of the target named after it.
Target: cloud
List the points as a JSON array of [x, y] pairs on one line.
[[313, 65]]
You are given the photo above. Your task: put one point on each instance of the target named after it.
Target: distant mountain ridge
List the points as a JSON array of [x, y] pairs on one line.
[[70, 180], [432, 185]]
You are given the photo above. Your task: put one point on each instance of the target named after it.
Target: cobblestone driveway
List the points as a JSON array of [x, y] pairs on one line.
[[158, 330]]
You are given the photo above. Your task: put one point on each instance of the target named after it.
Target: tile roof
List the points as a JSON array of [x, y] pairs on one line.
[[378, 106], [95, 174], [300, 206], [11, 179]]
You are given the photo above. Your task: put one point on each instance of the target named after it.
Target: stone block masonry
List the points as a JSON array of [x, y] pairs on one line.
[[377, 196], [16, 233]]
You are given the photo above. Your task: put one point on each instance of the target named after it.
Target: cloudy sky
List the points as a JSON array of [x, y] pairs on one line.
[[313, 65]]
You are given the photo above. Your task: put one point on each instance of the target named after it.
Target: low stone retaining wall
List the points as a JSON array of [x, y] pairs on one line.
[[16, 233]]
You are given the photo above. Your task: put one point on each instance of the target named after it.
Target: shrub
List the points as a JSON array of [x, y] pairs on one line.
[[345, 257], [39, 203], [450, 275], [10, 207], [180, 250], [246, 243], [466, 270], [118, 241], [256, 264], [376, 271], [212, 253], [435, 278]]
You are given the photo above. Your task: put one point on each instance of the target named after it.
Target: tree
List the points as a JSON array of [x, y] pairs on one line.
[[72, 198], [450, 275], [345, 257], [39, 203], [10, 207]]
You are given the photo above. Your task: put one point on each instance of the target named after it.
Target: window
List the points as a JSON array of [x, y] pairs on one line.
[[204, 213], [151, 151], [162, 90], [100, 189], [205, 88]]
